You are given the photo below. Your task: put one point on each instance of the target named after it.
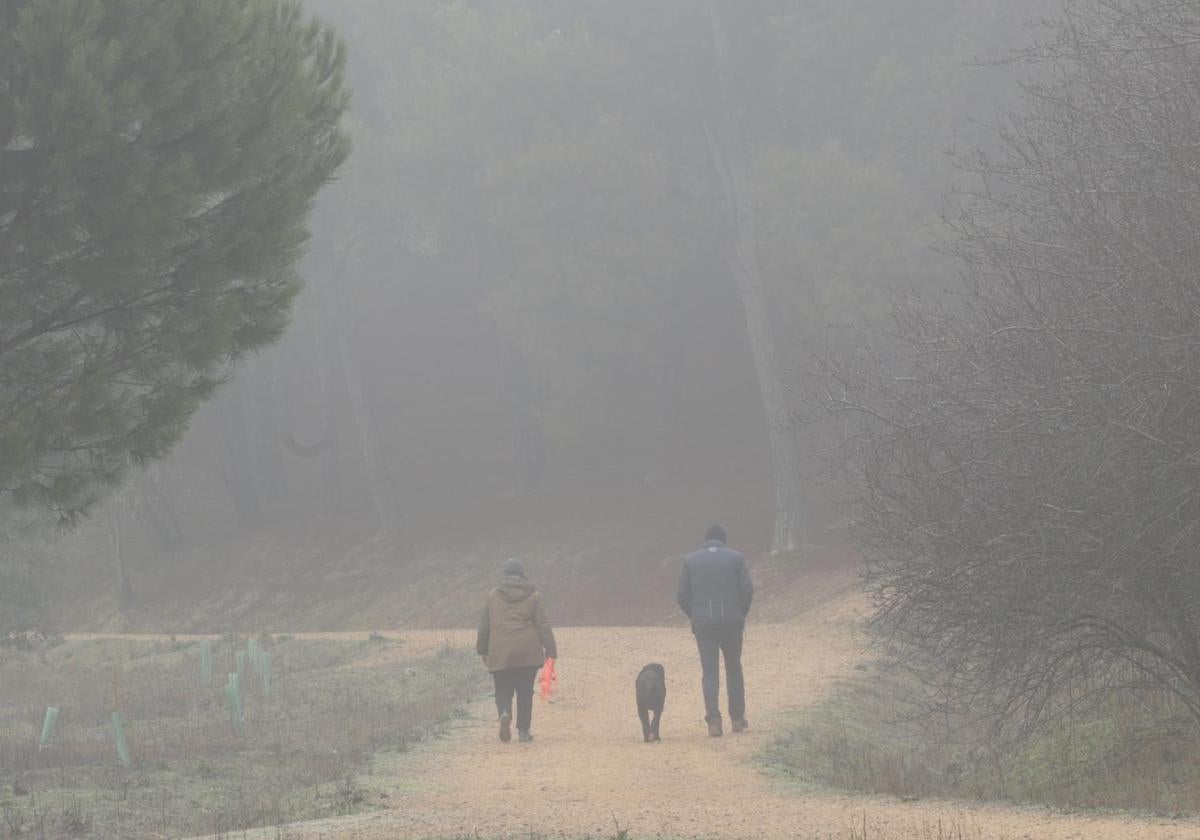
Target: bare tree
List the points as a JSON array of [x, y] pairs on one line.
[[1025, 459]]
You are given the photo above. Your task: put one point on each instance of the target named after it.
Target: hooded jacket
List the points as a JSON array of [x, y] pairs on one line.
[[715, 586], [513, 630]]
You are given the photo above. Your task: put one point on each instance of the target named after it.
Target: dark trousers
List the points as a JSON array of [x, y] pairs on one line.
[[517, 681], [714, 641]]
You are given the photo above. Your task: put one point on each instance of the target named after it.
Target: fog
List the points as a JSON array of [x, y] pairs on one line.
[[569, 284], [519, 308]]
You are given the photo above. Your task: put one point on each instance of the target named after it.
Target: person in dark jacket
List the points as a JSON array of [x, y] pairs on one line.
[[514, 640], [715, 592]]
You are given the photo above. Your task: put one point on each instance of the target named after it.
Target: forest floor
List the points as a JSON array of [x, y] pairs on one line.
[[589, 775]]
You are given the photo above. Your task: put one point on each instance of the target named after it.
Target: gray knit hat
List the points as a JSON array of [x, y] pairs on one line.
[[514, 568]]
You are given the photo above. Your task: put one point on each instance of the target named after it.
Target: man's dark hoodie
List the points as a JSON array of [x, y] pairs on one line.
[[513, 630], [715, 587]]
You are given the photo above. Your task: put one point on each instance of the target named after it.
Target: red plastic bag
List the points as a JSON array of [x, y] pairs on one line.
[[549, 679]]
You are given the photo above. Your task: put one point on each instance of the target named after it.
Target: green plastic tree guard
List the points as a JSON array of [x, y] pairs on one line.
[[48, 726], [119, 738], [231, 701], [234, 697], [253, 653], [266, 673], [241, 663], [206, 660]]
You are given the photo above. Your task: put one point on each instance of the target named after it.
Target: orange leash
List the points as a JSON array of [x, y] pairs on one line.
[[549, 679]]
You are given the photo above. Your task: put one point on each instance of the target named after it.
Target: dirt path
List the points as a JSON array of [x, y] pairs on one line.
[[589, 772]]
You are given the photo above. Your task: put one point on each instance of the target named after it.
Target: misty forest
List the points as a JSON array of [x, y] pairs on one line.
[[821, 379]]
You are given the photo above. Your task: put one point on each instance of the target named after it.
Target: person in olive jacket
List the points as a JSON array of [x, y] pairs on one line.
[[514, 640]]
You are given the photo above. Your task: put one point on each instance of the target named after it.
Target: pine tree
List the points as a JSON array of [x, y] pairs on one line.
[[158, 160]]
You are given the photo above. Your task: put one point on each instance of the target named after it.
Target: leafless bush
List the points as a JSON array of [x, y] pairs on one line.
[[347, 796], [14, 818], [76, 819], [1025, 459]]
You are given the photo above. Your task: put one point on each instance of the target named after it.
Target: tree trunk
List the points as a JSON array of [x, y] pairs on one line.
[[382, 499], [124, 587], [673, 372], [156, 511], [529, 434], [240, 468], [275, 476], [331, 462], [729, 160]]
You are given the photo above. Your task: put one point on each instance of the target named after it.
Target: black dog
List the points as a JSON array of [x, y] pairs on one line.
[[651, 687]]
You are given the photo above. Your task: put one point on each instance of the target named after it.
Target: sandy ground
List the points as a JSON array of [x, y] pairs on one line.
[[588, 774]]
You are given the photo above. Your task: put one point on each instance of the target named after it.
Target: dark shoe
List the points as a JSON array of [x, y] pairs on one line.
[[524, 737], [740, 725], [505, 728], [714, 729]]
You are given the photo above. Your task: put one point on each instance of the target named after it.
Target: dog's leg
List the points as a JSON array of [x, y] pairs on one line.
[[644, 714]]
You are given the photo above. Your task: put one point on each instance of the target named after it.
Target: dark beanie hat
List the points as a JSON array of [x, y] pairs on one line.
[[715, 533], [514, 568]]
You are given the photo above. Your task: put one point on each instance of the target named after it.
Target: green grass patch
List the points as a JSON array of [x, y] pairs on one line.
[[303, 752], [1130, 752]]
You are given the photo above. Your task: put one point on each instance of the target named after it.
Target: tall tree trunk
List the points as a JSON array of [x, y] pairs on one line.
[[331, 461], [529, 434], [240, 467], [383, 504], [673, 371], [156, 510], [729, 160], [274, 474], [124, 587]]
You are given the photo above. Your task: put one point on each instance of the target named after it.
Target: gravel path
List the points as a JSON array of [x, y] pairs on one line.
[[589, 773]]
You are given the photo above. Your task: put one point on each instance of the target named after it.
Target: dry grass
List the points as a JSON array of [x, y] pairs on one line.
[[1137, 753], [305, 749]]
